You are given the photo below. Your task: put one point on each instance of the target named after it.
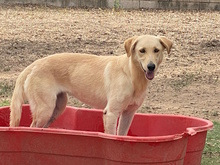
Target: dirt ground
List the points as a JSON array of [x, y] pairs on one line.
[[188, 80]]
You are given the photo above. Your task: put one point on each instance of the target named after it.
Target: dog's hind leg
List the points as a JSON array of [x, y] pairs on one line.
[[42, 105], [59, 108], [42, 116]]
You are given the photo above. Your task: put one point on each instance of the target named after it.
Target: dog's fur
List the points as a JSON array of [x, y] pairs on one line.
[[116, 84]]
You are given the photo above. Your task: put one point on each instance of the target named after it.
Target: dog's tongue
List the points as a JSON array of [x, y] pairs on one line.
[[149, 75]]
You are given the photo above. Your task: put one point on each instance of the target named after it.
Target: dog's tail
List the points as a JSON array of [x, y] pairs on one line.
[[18, 99]]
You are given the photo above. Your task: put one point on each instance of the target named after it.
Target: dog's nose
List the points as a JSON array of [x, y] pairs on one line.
[[151, 66]]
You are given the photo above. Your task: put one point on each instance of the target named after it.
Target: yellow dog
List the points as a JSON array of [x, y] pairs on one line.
[[116, 84]]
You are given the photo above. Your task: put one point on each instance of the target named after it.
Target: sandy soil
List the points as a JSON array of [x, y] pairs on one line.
[[187, 82]]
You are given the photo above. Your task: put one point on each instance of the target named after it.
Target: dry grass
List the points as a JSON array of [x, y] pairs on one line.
[[187, 82]]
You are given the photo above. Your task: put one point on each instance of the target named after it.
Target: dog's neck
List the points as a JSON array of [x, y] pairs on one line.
[[137, 77]]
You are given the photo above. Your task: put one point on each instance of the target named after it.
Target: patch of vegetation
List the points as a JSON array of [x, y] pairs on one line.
[[6, 69], [117, 5], [4, 103], [6, 88], [211, 152], [212, 45], [183, 81]]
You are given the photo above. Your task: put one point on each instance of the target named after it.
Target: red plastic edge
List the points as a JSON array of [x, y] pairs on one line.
[[189, 131]]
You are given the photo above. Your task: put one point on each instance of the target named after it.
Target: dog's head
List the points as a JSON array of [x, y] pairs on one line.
[[147, 52]]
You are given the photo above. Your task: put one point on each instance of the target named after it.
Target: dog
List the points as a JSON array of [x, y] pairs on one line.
[[116, 84]]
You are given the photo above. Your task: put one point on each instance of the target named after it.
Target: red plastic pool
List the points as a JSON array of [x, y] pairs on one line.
[[77, 138]]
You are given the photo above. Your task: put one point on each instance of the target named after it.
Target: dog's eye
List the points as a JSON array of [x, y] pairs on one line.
[[156, 50], [142, 50]]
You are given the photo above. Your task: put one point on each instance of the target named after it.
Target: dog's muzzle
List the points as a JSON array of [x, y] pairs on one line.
[[149, 74]]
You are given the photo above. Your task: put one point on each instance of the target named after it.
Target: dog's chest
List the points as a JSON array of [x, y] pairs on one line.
[[136, 101]]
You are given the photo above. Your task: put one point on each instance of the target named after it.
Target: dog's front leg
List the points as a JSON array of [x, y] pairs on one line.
[[110, 118], [125, 122]]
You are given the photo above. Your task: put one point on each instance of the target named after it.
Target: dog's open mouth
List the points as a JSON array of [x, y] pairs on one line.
[[149, 75]]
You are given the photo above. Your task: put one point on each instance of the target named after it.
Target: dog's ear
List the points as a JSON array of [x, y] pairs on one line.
[[166, 43], [130, 44]]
